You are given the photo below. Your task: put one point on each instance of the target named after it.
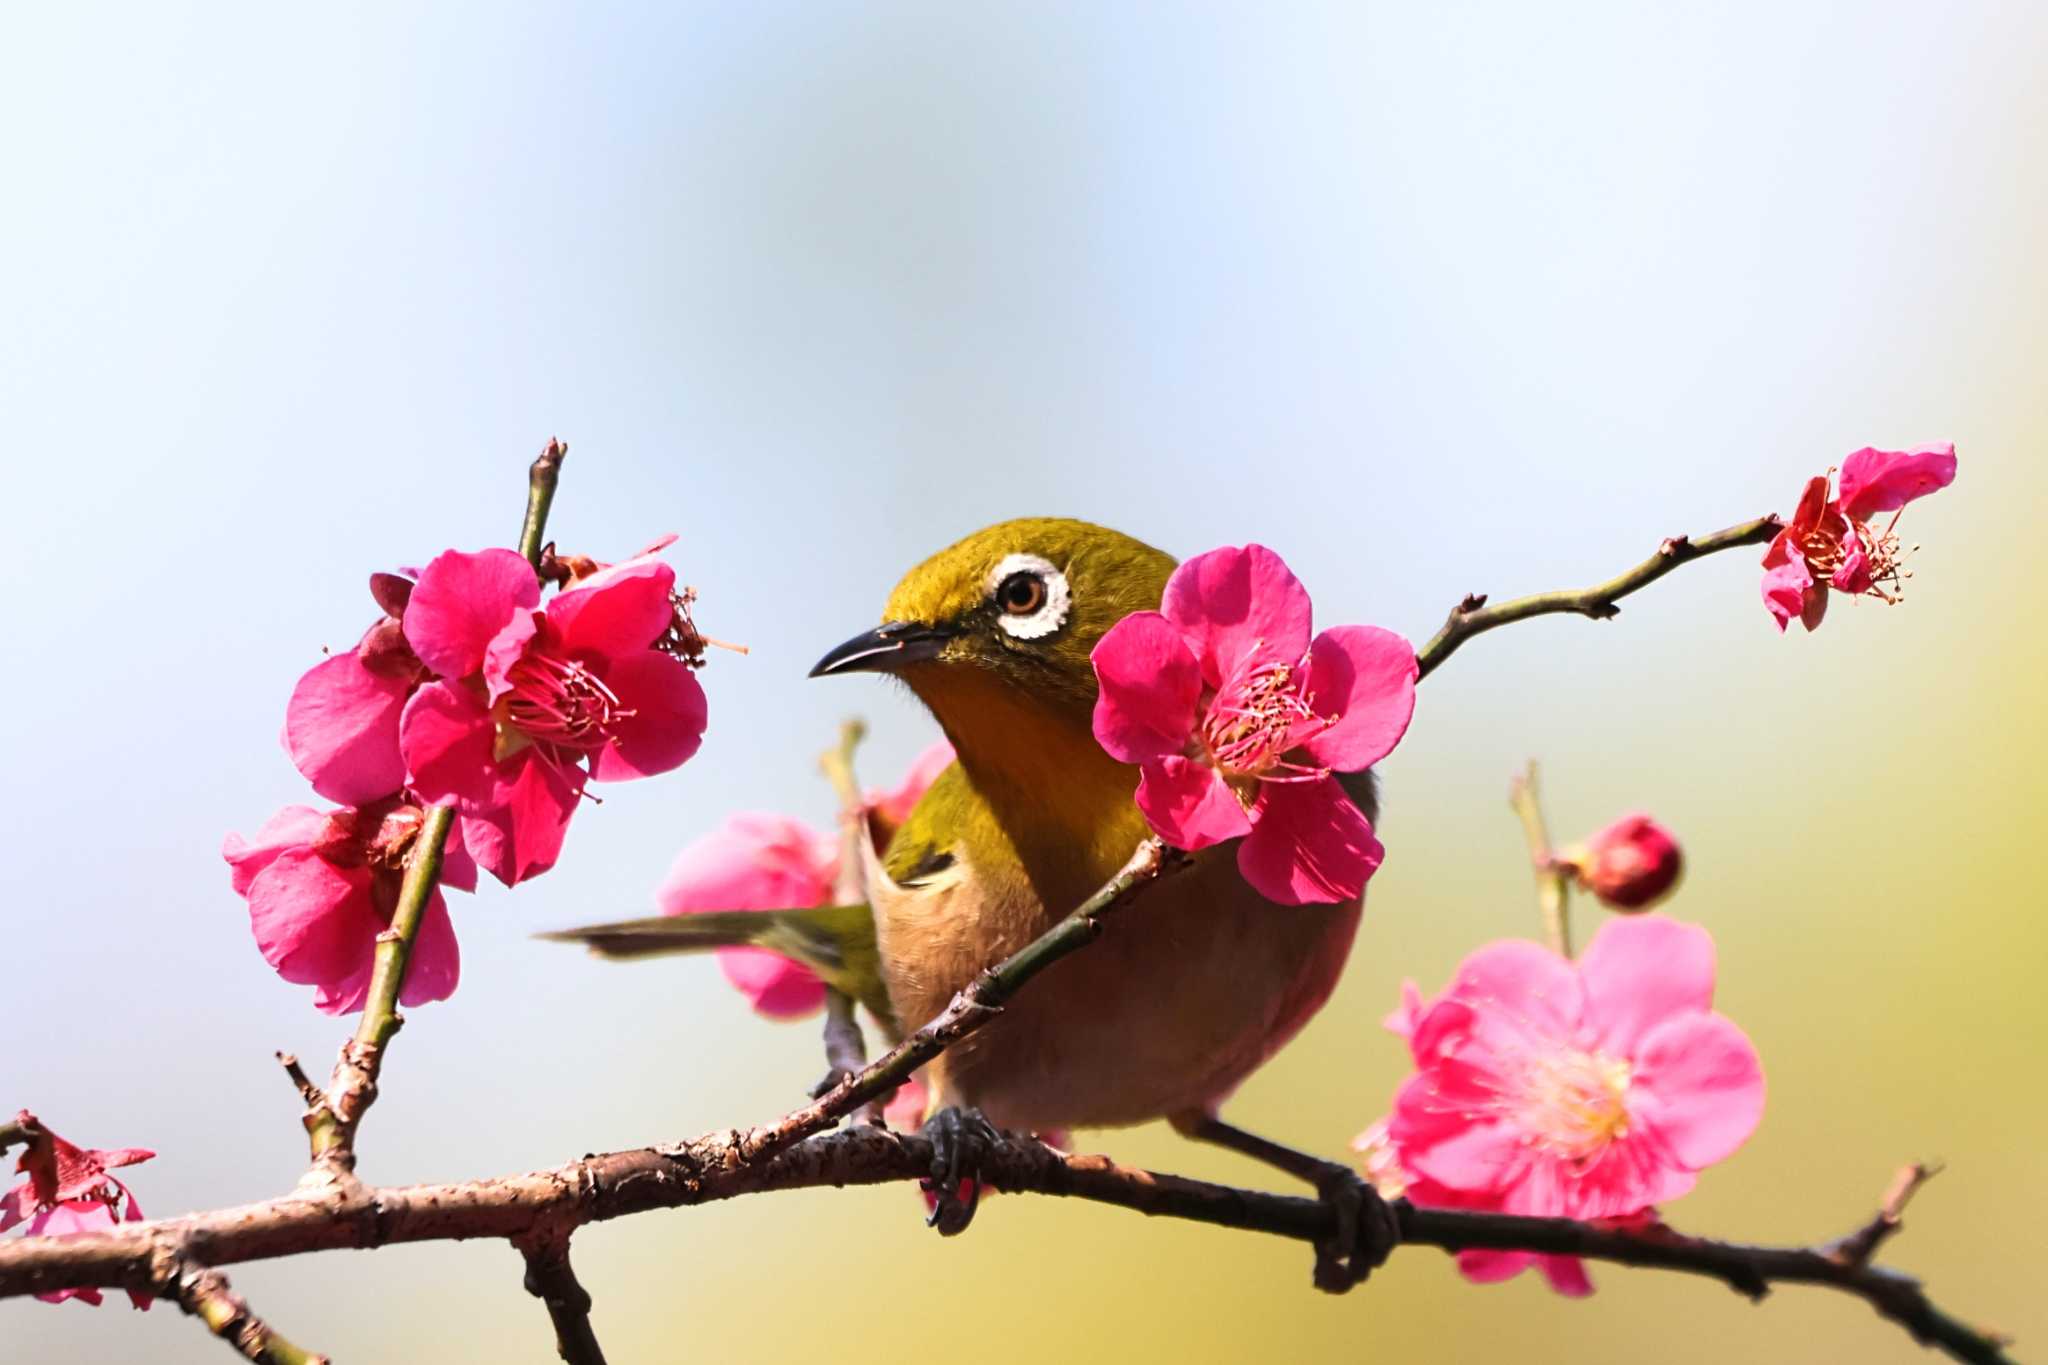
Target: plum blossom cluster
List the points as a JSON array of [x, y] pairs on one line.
[[1593, 1089], [1832, 542], [1238, 721], [67, 1189], [469, 693]]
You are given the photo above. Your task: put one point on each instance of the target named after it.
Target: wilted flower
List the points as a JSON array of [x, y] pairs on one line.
[[322, 886], [1831, 542], [70, 1189], [1237, 721], [1589, 1090]]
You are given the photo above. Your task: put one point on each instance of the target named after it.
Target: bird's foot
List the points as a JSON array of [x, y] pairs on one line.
[[1366, 1234], [960, 1140]]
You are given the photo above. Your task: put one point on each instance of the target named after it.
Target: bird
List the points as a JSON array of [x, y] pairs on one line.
[[1191, 988]]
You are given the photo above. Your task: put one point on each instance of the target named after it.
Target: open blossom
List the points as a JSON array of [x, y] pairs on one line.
[[1831, 542], [322, 886], [759, 861], [532, 703], [1630, 865], [1590, 1090], [1237, 721], [70, 1189]]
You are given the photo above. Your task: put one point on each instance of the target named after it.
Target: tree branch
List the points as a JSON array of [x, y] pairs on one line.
[[977, 1003], [541, 477], [1553, 891], [550, 1279], [1600, 602], [550, 1204], [206, 1295]]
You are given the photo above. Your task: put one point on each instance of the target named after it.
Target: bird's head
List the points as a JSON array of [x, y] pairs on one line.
[[994, 632]]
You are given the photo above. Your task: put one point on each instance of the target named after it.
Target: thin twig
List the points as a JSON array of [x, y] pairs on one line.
[[541, 478], [1860, 1246], [205, 1293], [714, 1167], [1553, 887], [550, 1279], [846, 1050], [975, 1004], [1601, 601]]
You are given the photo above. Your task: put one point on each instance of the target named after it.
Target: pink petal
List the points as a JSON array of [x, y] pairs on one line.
[[894, 806], [1640, 970], [1522, 995], [17, 1204], [1188, 805], [1485, 1155], [1365, 678], [777, 987], [313, 922], [1853, 574], [110, 1159], [1876, 481], [522, 838], [348, 993], [1699, 1086], [461, 602], [751, 862], [667, 723], [1567, 1275], [1309, 845], [446, 736], [617, 611], [1402, 1019], [506, 648], [458, 868], [1231, 602], [436, 962], [1786, 587], [1148, 683], [292, 827], [341, 729], [1493, 1267]]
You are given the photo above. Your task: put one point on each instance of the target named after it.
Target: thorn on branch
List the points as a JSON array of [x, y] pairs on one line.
[[315, 1098], [1471, 602]]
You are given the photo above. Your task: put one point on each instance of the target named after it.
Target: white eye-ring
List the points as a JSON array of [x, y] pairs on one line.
[[1030, 595]]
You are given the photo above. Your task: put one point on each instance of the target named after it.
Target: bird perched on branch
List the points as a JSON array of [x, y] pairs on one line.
[[1190, 988]]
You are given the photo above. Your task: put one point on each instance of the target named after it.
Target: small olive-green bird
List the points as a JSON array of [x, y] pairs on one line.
[[1189, 989]]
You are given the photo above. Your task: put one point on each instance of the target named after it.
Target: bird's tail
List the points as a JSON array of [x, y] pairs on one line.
[[835, 941]]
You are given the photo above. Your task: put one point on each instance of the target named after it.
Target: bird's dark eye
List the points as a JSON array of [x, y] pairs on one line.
[[1021, 593]]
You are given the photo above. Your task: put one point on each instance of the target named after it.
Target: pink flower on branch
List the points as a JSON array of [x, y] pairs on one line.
[[1237, 720], [1593, 1089], [1630, 865], [322, 886], [1831, 542], [533, 703], [67, 1190], [758, 861]]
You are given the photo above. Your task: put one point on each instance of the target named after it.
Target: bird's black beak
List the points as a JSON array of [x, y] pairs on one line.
[[884, 649]]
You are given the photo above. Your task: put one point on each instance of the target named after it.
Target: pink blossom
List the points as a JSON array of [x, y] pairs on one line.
[[759, 861], [341, 725], [1630, 865], [70, 1190], [322, 886], [533, 703], [1237, 721], [1591, 1090], [1830, 542]]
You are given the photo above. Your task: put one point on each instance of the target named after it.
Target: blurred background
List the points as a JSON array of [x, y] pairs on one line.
[[1434, 299]]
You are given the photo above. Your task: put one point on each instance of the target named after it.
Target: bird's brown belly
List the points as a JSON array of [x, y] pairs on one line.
[[1187, 992]]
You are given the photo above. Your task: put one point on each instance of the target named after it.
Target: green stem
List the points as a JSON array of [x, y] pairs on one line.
[[977, 1003], [542, 476], [1599, 602], [1553, 895], [394, 946]]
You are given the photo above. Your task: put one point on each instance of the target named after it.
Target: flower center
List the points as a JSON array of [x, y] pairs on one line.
[[1572, 1103], [559, 702], [1256, 717]]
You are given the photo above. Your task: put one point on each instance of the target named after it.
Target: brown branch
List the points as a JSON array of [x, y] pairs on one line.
[[550, 1204], [1859, 1247], [978, 1002], [550, 1279], [205, 1294], [1599, 602]]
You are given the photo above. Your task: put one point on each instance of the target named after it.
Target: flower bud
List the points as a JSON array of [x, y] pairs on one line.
[[1630, 865]]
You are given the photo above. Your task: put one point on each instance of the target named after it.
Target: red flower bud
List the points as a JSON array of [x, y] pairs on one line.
[[1630, 865]]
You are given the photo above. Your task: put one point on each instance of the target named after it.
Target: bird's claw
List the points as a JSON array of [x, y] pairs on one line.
[[1367, 1231], [830, 1081], [960, 1140]]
